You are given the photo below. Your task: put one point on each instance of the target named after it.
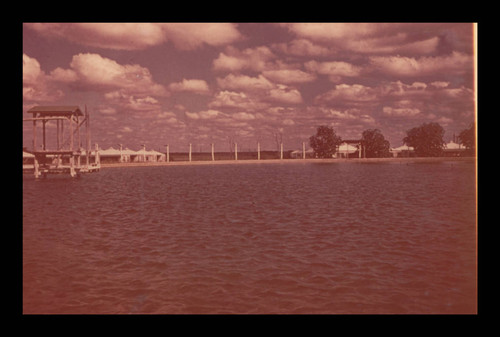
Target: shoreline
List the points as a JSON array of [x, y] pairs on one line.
[[297, 161]]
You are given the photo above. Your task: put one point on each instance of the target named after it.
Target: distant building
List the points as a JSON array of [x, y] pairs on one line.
[[453, 149], [347, 150], [298, 154], [403, 151]]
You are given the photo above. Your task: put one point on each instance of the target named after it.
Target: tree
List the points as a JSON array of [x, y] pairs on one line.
[[468, 137], [375, 145], [426, 139], [325, 142]]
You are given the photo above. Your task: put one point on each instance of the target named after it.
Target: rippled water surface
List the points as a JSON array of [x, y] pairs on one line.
[[258, 238]]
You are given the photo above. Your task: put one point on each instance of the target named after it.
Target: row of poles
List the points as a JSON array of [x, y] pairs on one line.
[[236, 151]]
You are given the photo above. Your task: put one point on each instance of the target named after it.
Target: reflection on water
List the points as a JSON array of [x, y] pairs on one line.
[[257, 238]]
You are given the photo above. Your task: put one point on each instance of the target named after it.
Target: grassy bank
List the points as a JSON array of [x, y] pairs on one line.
[[242, 161]]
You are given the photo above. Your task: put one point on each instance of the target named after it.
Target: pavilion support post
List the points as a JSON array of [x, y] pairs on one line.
[[57, 132], [87, 131], [281, 150], [43, 135], [303, 150], [168, 153], [72, 166], [97, 158], [235, 151], [190, 148], [79, 141], [71, 133], [34, 135], [213, 154], [258, 151], [36, 166]]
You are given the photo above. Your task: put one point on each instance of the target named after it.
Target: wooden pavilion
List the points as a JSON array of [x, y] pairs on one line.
[[66, 157]]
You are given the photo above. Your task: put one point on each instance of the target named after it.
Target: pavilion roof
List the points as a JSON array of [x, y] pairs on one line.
[[58, 110]]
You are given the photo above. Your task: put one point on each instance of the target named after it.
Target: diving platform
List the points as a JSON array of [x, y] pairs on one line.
[[68, 156]]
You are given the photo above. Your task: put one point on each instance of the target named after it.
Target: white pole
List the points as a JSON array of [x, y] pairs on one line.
[[235, 151], [213, 156], [97, 157], [258, 151], [281, 150], [303, 150], [189, 151], [168, 154]]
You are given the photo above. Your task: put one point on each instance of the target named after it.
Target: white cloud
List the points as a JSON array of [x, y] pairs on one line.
[[93, 71], [455, 62], [303, 47], [243, 116], [335, 69], [132, 102], [348, 92], [243, 82], [400, 112], [366, 38], [137, 36], [440, 84], [285, 94], [232, 99], [289, 76], [205, 114], [193, 85], [31, 70], [232, 59], [37, 86]]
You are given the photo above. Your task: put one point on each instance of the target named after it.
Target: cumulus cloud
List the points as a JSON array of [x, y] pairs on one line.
[[303, 47], [393, 44], [349, 114], [335, 69], [285, 94], [94, 70], [456, 62], [189, 36], [348, 92], [289, 76], [440, 84], [194, 86], [367, 38], [332, 31], [400, 112], [205, 114], [243, 116], [128, 86], [232, 59], [232, 99], [137, 36], [37, 86], [131, 102], [243, 82]]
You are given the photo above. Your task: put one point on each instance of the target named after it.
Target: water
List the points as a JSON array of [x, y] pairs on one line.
[[259, 238]]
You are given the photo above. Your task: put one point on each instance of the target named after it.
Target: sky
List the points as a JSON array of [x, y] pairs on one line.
[[203, 83]]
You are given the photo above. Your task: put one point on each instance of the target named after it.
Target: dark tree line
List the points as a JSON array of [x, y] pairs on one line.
[[426, 139]]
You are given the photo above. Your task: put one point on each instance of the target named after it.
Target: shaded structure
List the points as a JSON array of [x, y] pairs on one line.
[[351, 148], [66, 153]]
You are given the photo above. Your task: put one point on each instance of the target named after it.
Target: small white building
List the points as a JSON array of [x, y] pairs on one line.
[[402, 151], [299, 154], [453, 149], [345, 150]]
